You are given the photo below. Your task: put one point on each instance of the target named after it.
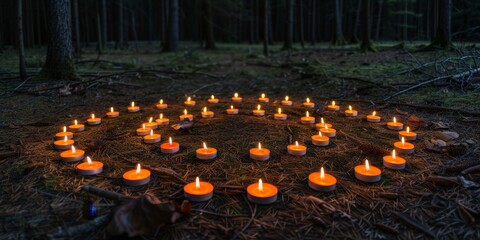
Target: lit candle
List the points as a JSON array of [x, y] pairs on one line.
[[287, 102], [321, 181], [206, 113], [351, 112], [151, 124], [189, 102], [186, 115], [72, 155], [367, 173], [63, 134], [89, 167], [404, 147], [161, 121], [143, 130], [236, 98], [232, 110], [112, 113], [262, 193], [132, 108], [394, 162], [322, 124], [161, 105], [94, 120], [308, 104], [373, 117], [296, 149], [408, 135], [212, 99], [259, 154], [263, 99], [170, 146], [395, 125], [333, 107], [258, 112], [307, 119], [280, 115], [76, 127], [137, 176], [63, 144], [198, 191], [206, 153], [329, 132], [320, 140], [152, 137]]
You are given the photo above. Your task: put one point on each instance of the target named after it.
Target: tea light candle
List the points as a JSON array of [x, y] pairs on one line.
[[213, 99], [351, 112], [133, 108], [63, 134], [395, 125], [232, 110], [287, 102], [170, 147], [296, 149], [262, 193], [198, 191], [409, 136], [186, 115], [143, 130], [236, 98], [94, 120], [151, 124], [112, 113], [63, 144], [320, 140], [308, 104], [206, 153], [137, 177], [307, 119], [280, 115], [404, 147], [89, 167], [76, 127], [152, 137], [322, 182], [333, 107], [322, 124], [263, 99], [189, 102], [367, 173], [207, 114], [329, 132], [259, 154], [161, 105], [72, 155], [161, 121], [373, 117], [258, 112], [394, 162]]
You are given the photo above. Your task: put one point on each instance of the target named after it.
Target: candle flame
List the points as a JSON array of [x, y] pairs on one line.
[[259, 146], [133, 104], [393, 154], [321, 120], [308, 100], [161, 115], [143, 126], [279, 111], [185, 111], [150, 120], [189, 99], [322, 173], [111, 109], [286, 98], [76, 122], [326, 126], [408, 129], [197, 183], [93, 116], [138, 169], [394, 119], [151, 132], [374, 113], [258, 107], [260, 185], [89, 161], [263, 95], [65, 139], [333, 103], [296, 143], [64, 128], [350, 107], [73, 149], [213, 97], [161, 101], [235, 95], [204, 146], [231, 106], [307, 114], [319, 133], [170, 140], [367, 165], [403, 141], [205, 109]]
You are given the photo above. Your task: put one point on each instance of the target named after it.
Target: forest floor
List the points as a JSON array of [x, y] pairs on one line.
[[436, 196]]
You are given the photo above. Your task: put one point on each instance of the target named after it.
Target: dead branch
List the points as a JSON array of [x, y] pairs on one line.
[[413, 223], [104, 193], [75, 231]]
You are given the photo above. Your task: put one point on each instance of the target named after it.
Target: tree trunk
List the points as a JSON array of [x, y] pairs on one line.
[[104, 23], [59, 63], [356, 25], [302, 36], [173, 26], [269, 19], [366, 44], [443, 36], [76, 28], [21, 48], [288, 38], [207, 25], [265, 27], [338, 39], [379, 19], [120, 34], [313, 21]]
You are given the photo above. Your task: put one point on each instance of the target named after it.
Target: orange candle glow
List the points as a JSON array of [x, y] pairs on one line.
[[198, 191], [322, 181], [89, 167], [404, 147], [408, 135], [287, 102], [170, 146], [212, 99], [236, 98], [232, 110], [186, 115], [206, 113], [206, 153], [296, 149], [351, 112], [367, 173], [394, 125], [320, 140], [76, 127], [161, 121], [263, 98], [94, 120], [280, 115], [259, 112], [63, 144], [322, 124], [189, 102], [151, 124], [333, 107], [308, 104], [112, 113], [132, 108], [373, 117], [63, 133], [161, 104], [307, 119], [262, 193], [152, 137], [329, 132], [259, 153], [72, 155], [394, 162], [143, 130], [137, 177]]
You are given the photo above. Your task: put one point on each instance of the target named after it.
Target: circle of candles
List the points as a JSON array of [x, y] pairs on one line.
[[198, 191], [212, 99], [395, 125], [259, 154], [137, 176], [152, 137], [287, 102], [151, 124], [409, 136], [333, 107], [72, 155], [236, 98], [258, 112], [320, 140], [296, 149], [89, 167], [161, 105], [262, 193], [280, 115], [189, 102], [206, 153], [308, 104], [206, 113], [132, 108], [322, 124], [263, 99], [232, 110], [351, 112], [186, 115], [367, 173], [404, 147], [329, 132], [94, 120], [63, 144], [112, 113], [373, 117], [161, 121], [170, 147], [63, 134], [321, 181], [143, 130], [307, 119], [394, 162], [76, 127]]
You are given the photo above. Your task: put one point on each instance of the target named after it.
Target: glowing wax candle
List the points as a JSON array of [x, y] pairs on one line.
[[296, 149], [394, 162], [259, 154], [89, 167], [404, 147], [408, 135], [236, 98], [287, 102], [76, 127], [367, 173], [143, 130], [161, 104], [262, 193], [186, 115], [198, 191], [206, 153], [395, 125], [152, 137], [151, 124], [307, 119], [373, 117], [322, 124], [263, 98], [308, 104], [161, 121], [351, 112], [322, 181], [280, 115], [258, 112], [63, 134], [320, 140], [72, 155], [137, 176], [333, 107], [94, 120], [170, 146], [329, 132], [206, 113], [232, 110], [63, 144], [132, 108], [189, 102], [212, 99], [112, 113]]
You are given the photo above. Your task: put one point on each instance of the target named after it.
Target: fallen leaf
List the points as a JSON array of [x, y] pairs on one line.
[[439, 125], [416, 121], [438, 143], [401, 112], [446, 135]]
